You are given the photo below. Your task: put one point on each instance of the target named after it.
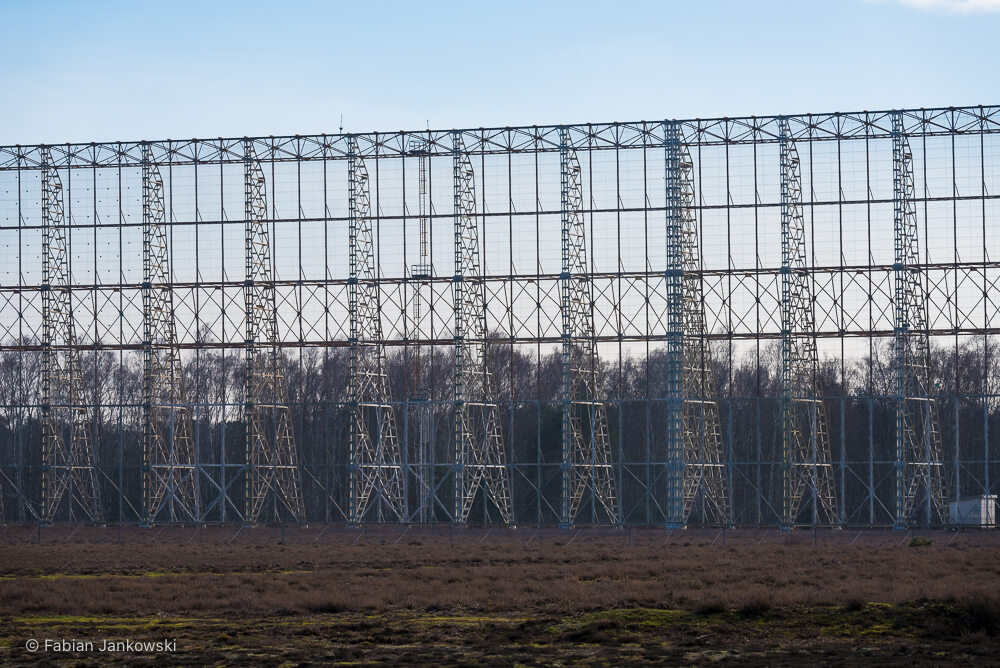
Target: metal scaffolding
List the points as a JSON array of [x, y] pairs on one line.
[[806, 458], [376, 463], [272, 469], [695, 465], [588, 466], [919, 467], [480, 457], [746, 321], [171, 489], [69, 470]]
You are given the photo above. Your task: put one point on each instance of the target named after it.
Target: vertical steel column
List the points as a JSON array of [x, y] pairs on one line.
[[272, 469], [68, 467], [170, 483], [480, 458], [421, 273], [587, 464], [705, 472], [674, 275], [375, 464], [919, 466], [806, 458]]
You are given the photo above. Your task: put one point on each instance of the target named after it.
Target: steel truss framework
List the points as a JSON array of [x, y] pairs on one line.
[[69, 471], [807, 475], [171, 476], [376, 463], [480, 457], [423, 410], [696, 468], [272, 470], [919, 466], [207, 351], [588, 467]]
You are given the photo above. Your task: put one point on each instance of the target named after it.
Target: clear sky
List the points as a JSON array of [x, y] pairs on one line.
[[104, 71]]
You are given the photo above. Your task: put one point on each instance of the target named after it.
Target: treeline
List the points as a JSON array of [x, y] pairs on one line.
[[527, 379]]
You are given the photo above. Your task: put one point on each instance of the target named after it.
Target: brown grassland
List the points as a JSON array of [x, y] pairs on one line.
[[474, 597]]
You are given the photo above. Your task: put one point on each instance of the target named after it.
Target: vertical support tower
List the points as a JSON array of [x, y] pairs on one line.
[[272, 469], [676, 515], [919, 467], [807, 471], [421, 273], [480, 459], [69, 467], [587, 464], [375, 463], [170, 476], [694, 435]]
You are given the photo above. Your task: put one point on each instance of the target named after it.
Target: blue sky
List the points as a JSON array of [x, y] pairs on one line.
[[104, 71]]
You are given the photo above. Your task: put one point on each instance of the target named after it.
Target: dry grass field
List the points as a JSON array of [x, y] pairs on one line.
[[473, 596]]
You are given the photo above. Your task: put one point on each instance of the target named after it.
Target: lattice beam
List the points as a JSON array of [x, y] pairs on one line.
[[730, 130]]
